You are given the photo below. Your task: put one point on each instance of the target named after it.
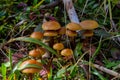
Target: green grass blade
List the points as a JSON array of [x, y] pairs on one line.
[[97, 50], [10, 58], [29, 66], [32, 40], [95, 72], [3, 70]]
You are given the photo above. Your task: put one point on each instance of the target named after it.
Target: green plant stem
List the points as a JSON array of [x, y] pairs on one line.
[[97, 50], [10, 59]]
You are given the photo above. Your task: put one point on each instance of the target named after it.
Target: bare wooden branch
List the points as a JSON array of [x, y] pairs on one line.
[[71, 11], [111, 72]]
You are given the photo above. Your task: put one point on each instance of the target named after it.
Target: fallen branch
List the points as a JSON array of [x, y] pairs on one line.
[[101, 68], [108, 71], [71, 11]]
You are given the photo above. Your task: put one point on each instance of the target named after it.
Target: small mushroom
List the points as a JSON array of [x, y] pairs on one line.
[[28, 68], [71, 32], [67, 52], [37, 35], [89, 25], [37, 53], [61, 34], [50, 33], [58, 47], [62, 31], [73, 26], [50, 30], [88, 33], [51, 25]]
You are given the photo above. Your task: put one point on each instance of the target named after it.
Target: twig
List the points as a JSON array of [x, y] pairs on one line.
[[50, 5], [111, 72], [102, 68], [71, 11]]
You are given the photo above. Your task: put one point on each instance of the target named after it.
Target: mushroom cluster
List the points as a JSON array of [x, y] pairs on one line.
[[51, 30]]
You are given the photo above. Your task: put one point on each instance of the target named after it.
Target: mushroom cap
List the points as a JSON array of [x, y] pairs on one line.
[[73, 26], [89, 24], [51, 25], [37, 35], [62, 30], [30, 70], [37, 52], [66, 52], [58, 46], [88, 33], [33, 69], [71, 33], [50, 33]]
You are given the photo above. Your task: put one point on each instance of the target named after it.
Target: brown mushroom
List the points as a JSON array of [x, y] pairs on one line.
[[88, 33], [26, 67], [73, 26], [37, 53], [50, 30], [58, 47], [50, 33], [37, 35], [71, 33], [67, 52], [51, 25], [62, 31], [89, 25]]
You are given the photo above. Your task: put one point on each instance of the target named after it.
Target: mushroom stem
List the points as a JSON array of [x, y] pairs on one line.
[[71, 11], [72, 42], [30, 76]]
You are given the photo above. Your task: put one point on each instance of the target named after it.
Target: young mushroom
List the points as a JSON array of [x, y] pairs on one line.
[[58, 47], [30, 67], [88, 26], [71, 32], [88, 33], [37, 53], [37, 35], [50, 30], [61, 32], [67, 53]]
